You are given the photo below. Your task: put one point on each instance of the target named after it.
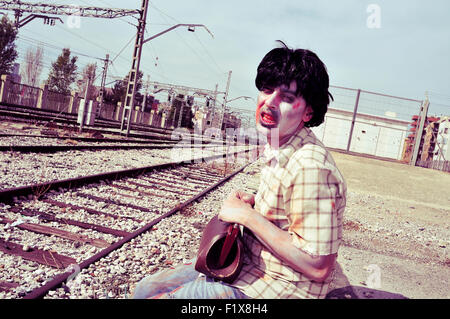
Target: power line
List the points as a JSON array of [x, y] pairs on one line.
[[201, 59], [83, 38], [48, 45], [441, 95], [125, 46]]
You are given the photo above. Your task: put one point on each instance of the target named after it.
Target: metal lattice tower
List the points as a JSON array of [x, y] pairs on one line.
[[133, 75], [37, 9]]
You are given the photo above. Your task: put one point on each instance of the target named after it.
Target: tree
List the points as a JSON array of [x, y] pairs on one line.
[[120, 89], [8, 53], [63, 73], [31, 72], [89, 70]]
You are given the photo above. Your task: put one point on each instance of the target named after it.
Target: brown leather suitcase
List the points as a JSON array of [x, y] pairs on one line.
[[209, 260]]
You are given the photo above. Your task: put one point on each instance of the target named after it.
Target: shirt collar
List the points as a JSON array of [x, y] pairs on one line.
[[282, 154]]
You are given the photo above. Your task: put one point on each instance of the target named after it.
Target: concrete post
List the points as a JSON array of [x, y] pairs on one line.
[[118, 113], [72, 102], [91, 113], [6, 84], [163, 120], [81, 119], [150, 118], [42, 99], [136, 115]]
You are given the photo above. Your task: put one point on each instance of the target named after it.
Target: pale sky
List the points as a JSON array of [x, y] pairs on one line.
[[403, 51]]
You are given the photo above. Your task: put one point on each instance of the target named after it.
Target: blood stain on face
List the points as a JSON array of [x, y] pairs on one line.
[[258, 110], [296, 105]]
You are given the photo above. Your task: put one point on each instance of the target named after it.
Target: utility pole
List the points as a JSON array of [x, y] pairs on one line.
[[133, 75], [180, 116], [144, 102], [86, 104], [355, 111], [419, 131], [214, 104], [224, 103], [102, 85]]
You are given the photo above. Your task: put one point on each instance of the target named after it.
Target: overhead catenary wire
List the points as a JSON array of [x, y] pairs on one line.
[[165, 17], [75, 51]]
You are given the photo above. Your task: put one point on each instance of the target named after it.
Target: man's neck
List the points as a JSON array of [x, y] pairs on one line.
[[275, 141]]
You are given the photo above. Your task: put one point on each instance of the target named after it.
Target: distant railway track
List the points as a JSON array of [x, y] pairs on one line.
[[69, 120], [92, 216], [60, 148], [50, 119]]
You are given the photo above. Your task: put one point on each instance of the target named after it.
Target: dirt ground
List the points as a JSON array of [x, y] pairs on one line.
[[396, 231]]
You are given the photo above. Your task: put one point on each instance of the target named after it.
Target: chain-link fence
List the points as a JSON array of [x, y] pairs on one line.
[[357, 121], [368, 123]]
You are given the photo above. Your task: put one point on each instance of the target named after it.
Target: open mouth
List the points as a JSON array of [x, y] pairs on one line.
[[268, 119]]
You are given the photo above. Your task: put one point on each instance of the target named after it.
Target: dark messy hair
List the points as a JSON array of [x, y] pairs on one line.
[[283, 65]]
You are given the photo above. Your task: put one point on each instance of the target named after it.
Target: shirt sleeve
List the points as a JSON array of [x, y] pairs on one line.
[[311, 203]]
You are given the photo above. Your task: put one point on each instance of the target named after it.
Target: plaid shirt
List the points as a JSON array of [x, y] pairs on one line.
[[302, 192]]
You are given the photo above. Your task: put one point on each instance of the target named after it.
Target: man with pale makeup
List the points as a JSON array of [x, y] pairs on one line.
[[295, 219], [293, 226]]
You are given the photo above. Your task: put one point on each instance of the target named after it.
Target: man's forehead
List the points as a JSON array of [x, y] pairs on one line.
[[292, 88]]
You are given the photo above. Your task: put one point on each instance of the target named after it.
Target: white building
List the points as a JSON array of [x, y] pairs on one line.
[[373, 135], [442, 150]]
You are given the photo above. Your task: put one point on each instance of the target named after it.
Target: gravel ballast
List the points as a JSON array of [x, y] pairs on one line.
[[397, 226]]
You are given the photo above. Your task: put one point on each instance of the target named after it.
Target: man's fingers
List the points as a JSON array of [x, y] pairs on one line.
[[247, 198]]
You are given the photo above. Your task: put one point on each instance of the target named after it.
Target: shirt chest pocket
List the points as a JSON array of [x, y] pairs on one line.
[[272, 199]]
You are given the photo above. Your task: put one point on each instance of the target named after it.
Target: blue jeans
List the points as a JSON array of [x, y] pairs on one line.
[[184, 282]]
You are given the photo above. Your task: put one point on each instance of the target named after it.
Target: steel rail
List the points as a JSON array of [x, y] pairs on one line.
[[87, 139], [7, 195], [30, 113], [58, 280], [21, 111], [63, 148]]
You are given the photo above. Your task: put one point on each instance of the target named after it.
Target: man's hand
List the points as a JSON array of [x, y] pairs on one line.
[[236, 207], [246, 197]]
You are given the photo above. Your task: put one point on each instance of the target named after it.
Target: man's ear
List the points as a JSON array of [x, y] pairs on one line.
[[307, 116]]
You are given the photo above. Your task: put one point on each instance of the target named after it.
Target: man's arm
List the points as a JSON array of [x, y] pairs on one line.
[[236, 209]]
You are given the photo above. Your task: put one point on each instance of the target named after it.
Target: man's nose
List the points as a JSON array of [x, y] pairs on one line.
[[273, 100]]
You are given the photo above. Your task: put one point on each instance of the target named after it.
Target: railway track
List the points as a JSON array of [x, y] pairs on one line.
[[50, 144], [54, 230], [63, 119], [64, 148]]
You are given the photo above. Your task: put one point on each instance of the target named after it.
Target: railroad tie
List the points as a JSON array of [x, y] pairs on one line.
[[46, 230], [44, 257], [87, 209], [116, 202], [164, 185], [53, 218], [7, 286]]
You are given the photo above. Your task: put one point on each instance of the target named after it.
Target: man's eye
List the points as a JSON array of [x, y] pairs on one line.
[[288, 98], [267, 90]]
